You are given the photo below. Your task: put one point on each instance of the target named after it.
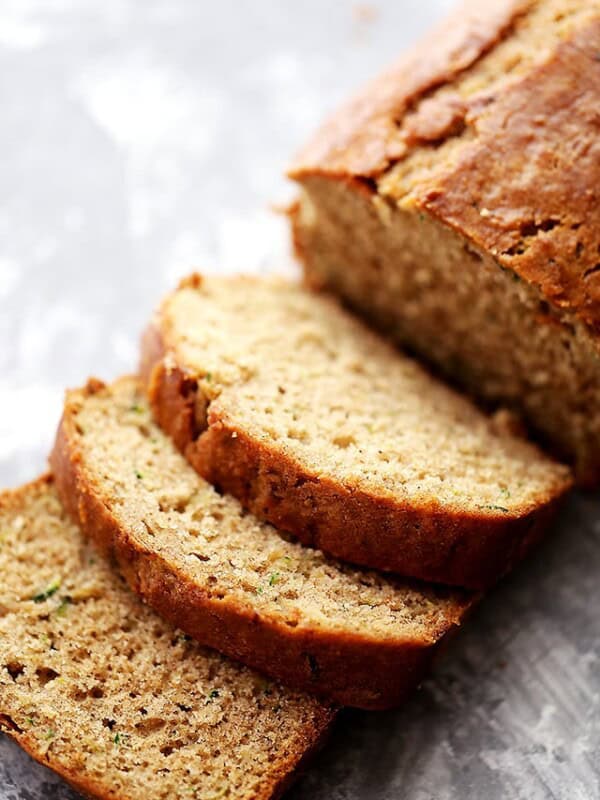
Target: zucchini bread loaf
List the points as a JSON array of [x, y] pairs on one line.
[[97, 687], [278, 396], [455, 203], [357, 637]]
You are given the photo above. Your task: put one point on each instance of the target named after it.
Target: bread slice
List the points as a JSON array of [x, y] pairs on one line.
[[281, 398], [454, 203], [98, 688], [231, 582]]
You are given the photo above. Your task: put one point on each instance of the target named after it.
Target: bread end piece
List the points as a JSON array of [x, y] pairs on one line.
[[459, 215]]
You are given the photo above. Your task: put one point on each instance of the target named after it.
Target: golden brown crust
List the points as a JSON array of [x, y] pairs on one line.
[[426, 542], [524, 185], [542, 223], [355, 670], [271, 787], [364, 137]]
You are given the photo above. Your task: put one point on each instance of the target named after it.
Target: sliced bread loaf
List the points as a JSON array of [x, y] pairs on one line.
[[454, 202], [281, 398], [98, 688], [230, 581]]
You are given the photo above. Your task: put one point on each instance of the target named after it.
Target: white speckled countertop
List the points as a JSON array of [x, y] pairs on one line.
[[140, 139]]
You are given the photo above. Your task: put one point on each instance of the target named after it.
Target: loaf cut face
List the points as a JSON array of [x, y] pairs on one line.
[[97, 687], [454, 203], [281, 398], [197, 557]]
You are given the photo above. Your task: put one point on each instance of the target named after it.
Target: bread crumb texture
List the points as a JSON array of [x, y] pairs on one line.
[[207, 538], [299, 375], [98, 688], [454, 202]]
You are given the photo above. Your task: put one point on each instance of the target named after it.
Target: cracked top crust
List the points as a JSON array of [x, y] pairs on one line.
[[364, 138], [491, 126]]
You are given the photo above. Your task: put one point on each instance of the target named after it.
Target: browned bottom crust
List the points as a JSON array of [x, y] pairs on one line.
[[348, 669], [427, 543]]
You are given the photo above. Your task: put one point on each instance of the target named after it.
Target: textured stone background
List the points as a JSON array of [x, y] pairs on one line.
[[139, 139]]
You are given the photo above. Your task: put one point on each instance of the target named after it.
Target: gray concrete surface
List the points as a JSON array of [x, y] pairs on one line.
[[139, 139]]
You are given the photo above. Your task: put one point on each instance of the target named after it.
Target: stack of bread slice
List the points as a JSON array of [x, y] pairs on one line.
[[280, 485], [282, 513]]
